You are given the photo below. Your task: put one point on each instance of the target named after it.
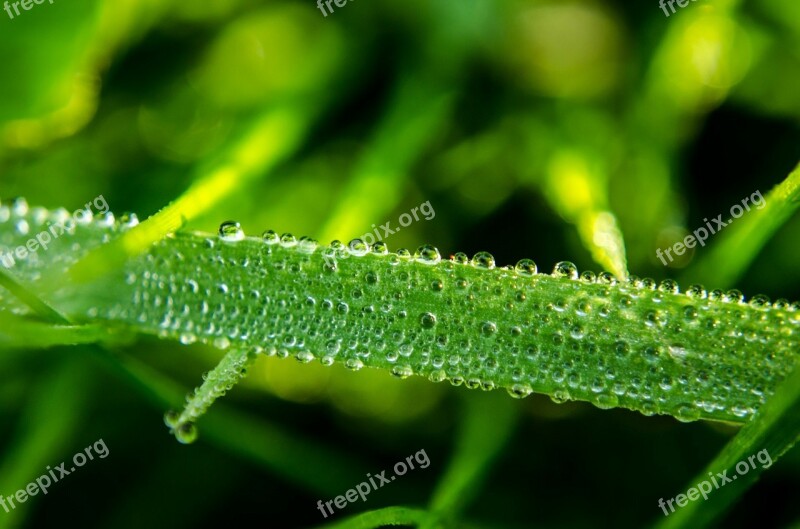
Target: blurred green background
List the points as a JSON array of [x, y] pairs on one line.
[[521, 122]]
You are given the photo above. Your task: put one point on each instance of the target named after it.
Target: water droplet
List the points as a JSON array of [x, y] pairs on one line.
[[128, 220], [437, 376], [760, 301], [734, 296], [358, 248], [171, 418], [669, 286], [606, 278], [221, 342], [525, 267], [460, 258], [380, 248], [304, 357], [307, 245], [186, 433], [565, 269], [588, 276], [354, 364], [231, 231], [488, 328], [687, 413], [288, 240], [270, 237], [606, 401], [696, 291], [483, 260], [402, 371], [781, 303], [520, 391], [19, 207], [427, 255], [428, 320]]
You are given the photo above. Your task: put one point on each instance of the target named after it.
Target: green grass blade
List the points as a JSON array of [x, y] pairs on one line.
[[417, 112], [613, 344], [691, 355], [775, 428], [578, 192], [380, 518], [221, 379], [30, 299], [269, 445], [487, 426], [18, 332], [735, 248], [47, 424], [268, 140]]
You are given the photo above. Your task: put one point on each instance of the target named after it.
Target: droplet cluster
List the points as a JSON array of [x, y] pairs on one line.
[[636, 343]]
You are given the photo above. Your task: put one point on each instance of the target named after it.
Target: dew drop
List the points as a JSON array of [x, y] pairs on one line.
[[304, 357], [380, 248], [427, 254], [354, 364], [288, 240], [697, 291], [437, 376], [525, 267], [687, 413], [270, 237], [488, 328], [759, 301], [606, 401], [483, 260], [186, 433], [231, 231], [307, 245], [358, 248], [402, 371], [460, 258], [520, 391], [669, 286], [565, 269], [428, 320]]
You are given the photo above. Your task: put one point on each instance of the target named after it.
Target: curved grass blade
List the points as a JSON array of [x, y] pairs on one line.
[[391, 516], [271, 446], [268, 140], [221, 379], [46, 426], [578, 193], [775, 428], [736, 247], [488, 424]]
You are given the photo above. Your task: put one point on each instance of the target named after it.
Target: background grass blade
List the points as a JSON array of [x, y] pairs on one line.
[[390, 516], [487, 425], [734, 249], [775, 428]]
